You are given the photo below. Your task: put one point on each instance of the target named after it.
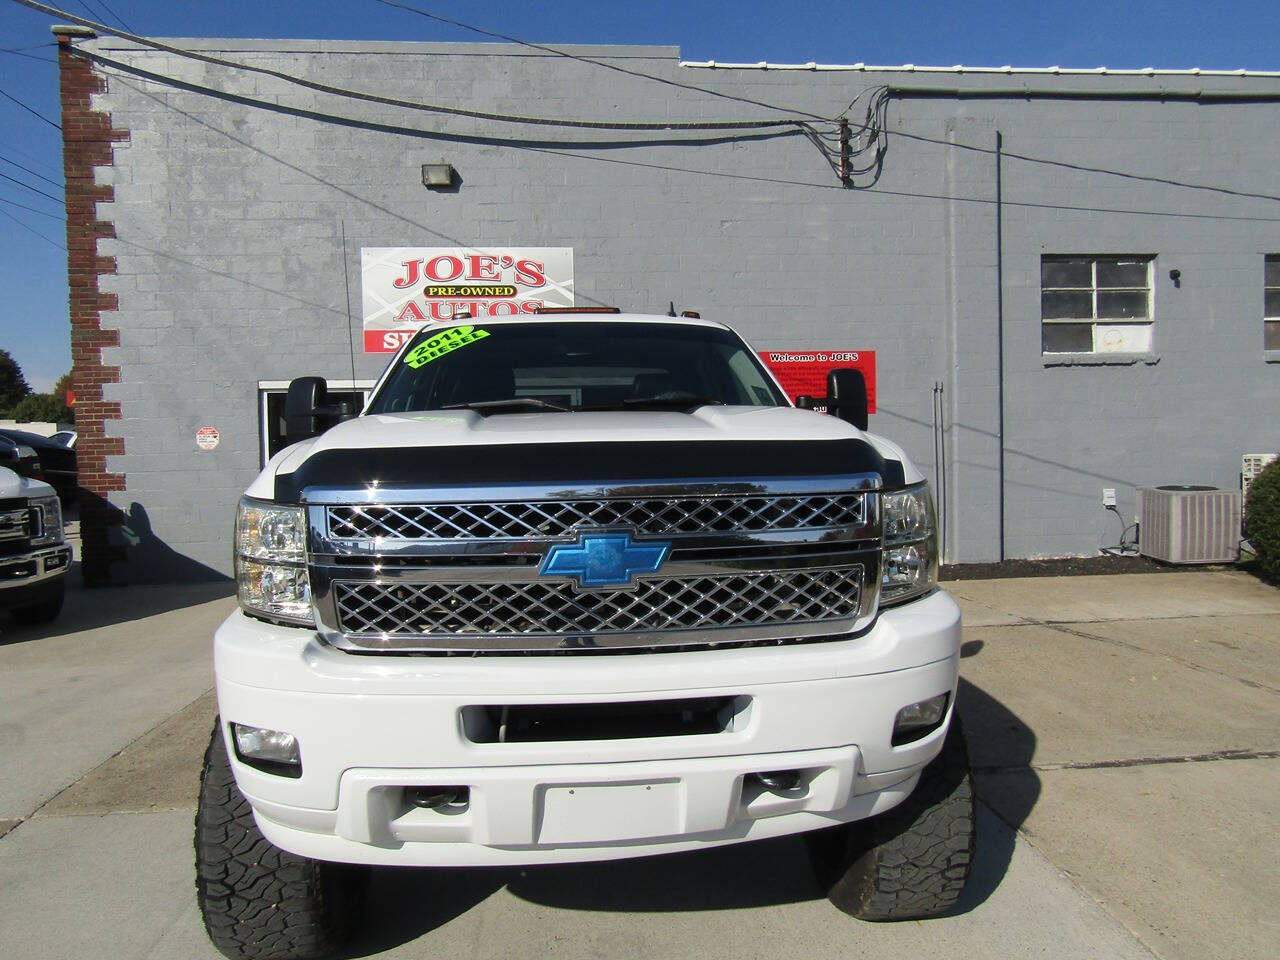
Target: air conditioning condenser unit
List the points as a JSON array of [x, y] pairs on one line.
[[1189, 524]]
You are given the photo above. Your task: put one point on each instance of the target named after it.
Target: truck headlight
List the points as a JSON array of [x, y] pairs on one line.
[[910, 562], [50, 521], [271, 561]]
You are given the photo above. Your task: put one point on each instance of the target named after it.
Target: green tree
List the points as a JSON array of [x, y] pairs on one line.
[[62, 386], [13, 385], [43, 407], [1262, 519]]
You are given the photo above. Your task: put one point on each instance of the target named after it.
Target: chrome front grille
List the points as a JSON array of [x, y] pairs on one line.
[[446, 570], [479, 609], [519, 520], [15, 523]]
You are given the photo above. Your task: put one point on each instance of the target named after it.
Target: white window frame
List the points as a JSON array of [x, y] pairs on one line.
[[1110, 335], [279, 387], [1268, 318]]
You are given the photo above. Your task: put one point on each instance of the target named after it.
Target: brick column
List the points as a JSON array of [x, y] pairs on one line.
[[87, 138]]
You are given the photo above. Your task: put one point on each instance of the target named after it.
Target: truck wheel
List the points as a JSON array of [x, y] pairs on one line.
[[42, 612], [910, 862], [259, 901]]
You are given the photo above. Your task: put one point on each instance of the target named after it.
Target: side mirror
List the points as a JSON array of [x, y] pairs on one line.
[[307, 411], [804, 402], [847, 396]]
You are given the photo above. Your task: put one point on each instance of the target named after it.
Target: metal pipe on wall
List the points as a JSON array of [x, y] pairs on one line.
[[1000, 330]]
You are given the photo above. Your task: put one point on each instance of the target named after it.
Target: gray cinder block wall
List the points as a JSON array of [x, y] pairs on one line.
[[231, 267]]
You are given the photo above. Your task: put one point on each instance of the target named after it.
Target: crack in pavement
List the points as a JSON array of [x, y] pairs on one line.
[[1072, 628], [1131, 761]]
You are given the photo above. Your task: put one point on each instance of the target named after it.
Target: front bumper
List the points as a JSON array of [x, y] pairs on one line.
[[30, 578], [369, 726]]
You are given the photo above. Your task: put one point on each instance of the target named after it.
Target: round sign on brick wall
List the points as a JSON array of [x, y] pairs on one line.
[[207, 438]]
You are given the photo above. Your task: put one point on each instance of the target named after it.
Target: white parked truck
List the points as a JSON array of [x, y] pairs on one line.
[[574, 588], [34, 556]]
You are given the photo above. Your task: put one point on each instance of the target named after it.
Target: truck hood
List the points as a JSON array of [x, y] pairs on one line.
[[13, 485], [460, 447]]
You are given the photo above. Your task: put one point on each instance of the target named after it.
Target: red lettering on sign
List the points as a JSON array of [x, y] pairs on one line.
[[531, 273], [443, 269], [410, 313], [482, 267], [410, 274]]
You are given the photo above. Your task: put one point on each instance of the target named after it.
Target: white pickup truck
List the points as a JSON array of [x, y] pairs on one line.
[[573, 588], [34, 557]]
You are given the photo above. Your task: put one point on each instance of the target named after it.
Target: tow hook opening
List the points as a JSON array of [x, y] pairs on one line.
[[438, 797], [780, 781]]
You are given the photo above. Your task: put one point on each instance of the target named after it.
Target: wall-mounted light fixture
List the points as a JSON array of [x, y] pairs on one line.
[[438, 176]]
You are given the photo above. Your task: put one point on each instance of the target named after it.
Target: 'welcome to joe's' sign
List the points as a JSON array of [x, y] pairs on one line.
[[405, 287], [804, 372]]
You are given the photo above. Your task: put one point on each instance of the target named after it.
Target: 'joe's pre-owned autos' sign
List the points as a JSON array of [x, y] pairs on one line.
[[405, 287]]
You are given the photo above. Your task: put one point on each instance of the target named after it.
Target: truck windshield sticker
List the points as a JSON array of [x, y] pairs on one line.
[[442, 343]]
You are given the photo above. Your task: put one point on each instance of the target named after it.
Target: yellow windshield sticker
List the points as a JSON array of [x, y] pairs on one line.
[[445, 342]]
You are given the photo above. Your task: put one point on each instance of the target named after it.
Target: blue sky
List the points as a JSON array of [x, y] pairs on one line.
[[33, 283]]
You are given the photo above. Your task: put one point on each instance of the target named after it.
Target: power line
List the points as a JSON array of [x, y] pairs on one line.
[[15, 163], [23, 206], [877, 191], [57, 200], [1082, 168], [94, 12], [597, 63], [876, 121], [30, 110], [119, 19], [421, 133], [29, 56], [414, 104], [30, 229], [567, 151]]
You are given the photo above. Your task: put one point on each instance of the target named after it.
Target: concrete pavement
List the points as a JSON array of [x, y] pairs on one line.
[[1129, 728], [1124, 730]]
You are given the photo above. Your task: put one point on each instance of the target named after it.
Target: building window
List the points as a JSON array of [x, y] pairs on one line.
[[1271, 304], [1095, 304]]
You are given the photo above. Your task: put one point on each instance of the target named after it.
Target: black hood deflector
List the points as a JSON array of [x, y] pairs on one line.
[[586, 464]]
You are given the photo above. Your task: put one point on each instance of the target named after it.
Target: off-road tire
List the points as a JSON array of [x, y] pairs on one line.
[[258, 901], [43, 612], [910, 862]]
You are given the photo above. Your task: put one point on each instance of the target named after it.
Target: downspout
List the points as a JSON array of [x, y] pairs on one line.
[[1000, 332]]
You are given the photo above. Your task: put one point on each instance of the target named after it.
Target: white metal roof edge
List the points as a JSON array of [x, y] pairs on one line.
[[961, 68]]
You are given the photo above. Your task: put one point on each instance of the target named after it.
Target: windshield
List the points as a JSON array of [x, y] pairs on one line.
[[540, 365]]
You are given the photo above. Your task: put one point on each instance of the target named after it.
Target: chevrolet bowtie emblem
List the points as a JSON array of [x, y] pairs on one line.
[[604, 559]]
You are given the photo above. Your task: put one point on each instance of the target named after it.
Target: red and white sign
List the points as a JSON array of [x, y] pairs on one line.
[[803, 373], [207, 438], [404, 287]]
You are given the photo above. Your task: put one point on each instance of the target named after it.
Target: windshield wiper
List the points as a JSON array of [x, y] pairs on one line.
[[680, 399], [485, 407]]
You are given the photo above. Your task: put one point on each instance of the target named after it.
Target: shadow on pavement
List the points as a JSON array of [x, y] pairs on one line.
[[405, 904], [87, 608], [1000, 749]]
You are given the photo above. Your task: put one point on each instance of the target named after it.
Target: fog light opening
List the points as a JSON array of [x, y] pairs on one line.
[[271, 751], [780, 781], [917, 720], [434, 797]]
